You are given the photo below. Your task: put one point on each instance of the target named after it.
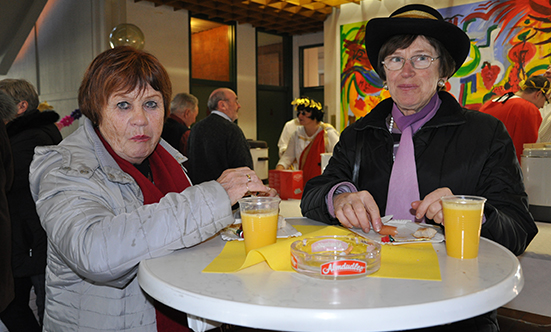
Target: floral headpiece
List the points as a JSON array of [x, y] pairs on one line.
[[531, 84], [306, 102], [68, 119]]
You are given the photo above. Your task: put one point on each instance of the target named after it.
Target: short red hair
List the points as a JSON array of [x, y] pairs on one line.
[[121, 69]]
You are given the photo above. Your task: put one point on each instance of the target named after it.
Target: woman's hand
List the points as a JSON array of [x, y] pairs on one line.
[[431, 206], [239, 182], [357, 210]]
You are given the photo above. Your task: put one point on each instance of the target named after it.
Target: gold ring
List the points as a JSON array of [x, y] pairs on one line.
[[248, 177]]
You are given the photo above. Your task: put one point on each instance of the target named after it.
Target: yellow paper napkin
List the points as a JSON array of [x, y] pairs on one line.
[[411, 261]]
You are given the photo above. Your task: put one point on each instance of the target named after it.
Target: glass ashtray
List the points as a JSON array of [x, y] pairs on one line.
[[336, 257]]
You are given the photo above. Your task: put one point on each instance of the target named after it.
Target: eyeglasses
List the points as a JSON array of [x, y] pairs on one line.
[[303, 112], [421, 61]]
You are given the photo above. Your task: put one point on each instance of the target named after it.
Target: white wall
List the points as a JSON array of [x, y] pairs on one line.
[[166, 34], [246, 78]]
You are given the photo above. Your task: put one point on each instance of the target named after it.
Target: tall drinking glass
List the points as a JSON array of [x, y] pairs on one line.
[[259, 217], [462, 223]]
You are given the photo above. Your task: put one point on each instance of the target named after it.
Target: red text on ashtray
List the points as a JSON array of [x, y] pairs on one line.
[[343, 267]]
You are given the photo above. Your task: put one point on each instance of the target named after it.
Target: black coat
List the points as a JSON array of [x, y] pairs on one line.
[[6, 179], [215, 145], [29, 241], [173, 132], [467, 151]]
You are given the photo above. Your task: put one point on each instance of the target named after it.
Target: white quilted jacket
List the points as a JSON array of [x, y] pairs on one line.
[[99, 231]]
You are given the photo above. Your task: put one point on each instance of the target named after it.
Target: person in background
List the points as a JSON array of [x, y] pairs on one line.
[[309, 141], [420, 145], [114, 193], [288, 130], [183, 112], [544, 132], [8, 111], [216, 143], [31, 128], [520, 112]]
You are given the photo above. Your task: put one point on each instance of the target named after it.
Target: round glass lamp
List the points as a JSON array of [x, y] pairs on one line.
[[127, 34]]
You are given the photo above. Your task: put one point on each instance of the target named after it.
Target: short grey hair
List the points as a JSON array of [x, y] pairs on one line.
[[20, 90], [8, 109], [183, 101], [214, 98]]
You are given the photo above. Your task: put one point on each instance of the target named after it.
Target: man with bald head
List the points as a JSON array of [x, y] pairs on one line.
[[216, 143]]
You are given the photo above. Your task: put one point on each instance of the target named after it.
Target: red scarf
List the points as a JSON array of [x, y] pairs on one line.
[[310, 159], [168, 176]]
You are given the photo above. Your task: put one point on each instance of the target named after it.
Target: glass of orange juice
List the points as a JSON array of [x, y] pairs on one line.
[[462, 223], [259, 217]]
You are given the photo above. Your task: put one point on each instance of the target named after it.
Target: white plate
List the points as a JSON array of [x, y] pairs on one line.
[[405, 229], [285, 230]]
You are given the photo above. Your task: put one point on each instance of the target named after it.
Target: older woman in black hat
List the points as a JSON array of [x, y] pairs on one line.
[[420, 144]]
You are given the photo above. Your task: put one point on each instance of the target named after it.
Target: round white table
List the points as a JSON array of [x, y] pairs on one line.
[[259, 297]]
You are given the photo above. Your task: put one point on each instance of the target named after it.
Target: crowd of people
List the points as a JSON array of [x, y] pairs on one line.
[[140, 179]]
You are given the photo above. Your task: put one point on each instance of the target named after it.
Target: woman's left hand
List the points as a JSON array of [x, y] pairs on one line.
[[431, 206], [239, 182]]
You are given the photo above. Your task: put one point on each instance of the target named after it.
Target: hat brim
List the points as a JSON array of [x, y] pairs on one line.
[[379, 30]]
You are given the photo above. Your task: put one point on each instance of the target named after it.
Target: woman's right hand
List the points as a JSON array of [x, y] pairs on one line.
[[357, 210], [239, 182]]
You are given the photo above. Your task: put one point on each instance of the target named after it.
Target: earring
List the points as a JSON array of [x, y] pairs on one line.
[[385, 86], [441, 83]]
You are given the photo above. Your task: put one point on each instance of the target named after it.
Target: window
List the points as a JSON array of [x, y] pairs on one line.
[[312, 66], [211, 50], [270, 59]]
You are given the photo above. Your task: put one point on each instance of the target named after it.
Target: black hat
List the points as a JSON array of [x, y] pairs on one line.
[[416, 20]]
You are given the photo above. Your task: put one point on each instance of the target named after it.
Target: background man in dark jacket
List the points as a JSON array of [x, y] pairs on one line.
[[183, 112], [216, 143], [7, 112], [31, 128]]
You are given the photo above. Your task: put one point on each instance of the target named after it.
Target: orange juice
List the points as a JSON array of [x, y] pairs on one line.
[[462, 223], [259, 228]]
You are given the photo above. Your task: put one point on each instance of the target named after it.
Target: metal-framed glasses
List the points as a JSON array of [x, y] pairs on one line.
[[420, 61]]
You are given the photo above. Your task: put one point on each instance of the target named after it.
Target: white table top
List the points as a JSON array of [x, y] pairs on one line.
[[259, 297]]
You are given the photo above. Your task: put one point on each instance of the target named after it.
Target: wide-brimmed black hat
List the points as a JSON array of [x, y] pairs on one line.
[[416, 20]]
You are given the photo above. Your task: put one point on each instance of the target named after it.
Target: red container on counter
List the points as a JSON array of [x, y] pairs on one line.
[[288, 184]]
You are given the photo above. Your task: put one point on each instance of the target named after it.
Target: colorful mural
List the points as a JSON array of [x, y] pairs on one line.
[[510, 41]]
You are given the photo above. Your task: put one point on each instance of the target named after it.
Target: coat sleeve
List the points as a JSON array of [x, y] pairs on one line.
[[238, 150], [289, 156], [103, 241], [508, 220], [333, 138]]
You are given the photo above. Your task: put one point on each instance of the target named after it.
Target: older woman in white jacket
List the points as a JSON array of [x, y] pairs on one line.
[[113, 193]]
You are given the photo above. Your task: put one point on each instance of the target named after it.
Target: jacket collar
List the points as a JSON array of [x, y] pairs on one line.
[[450, 113]]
